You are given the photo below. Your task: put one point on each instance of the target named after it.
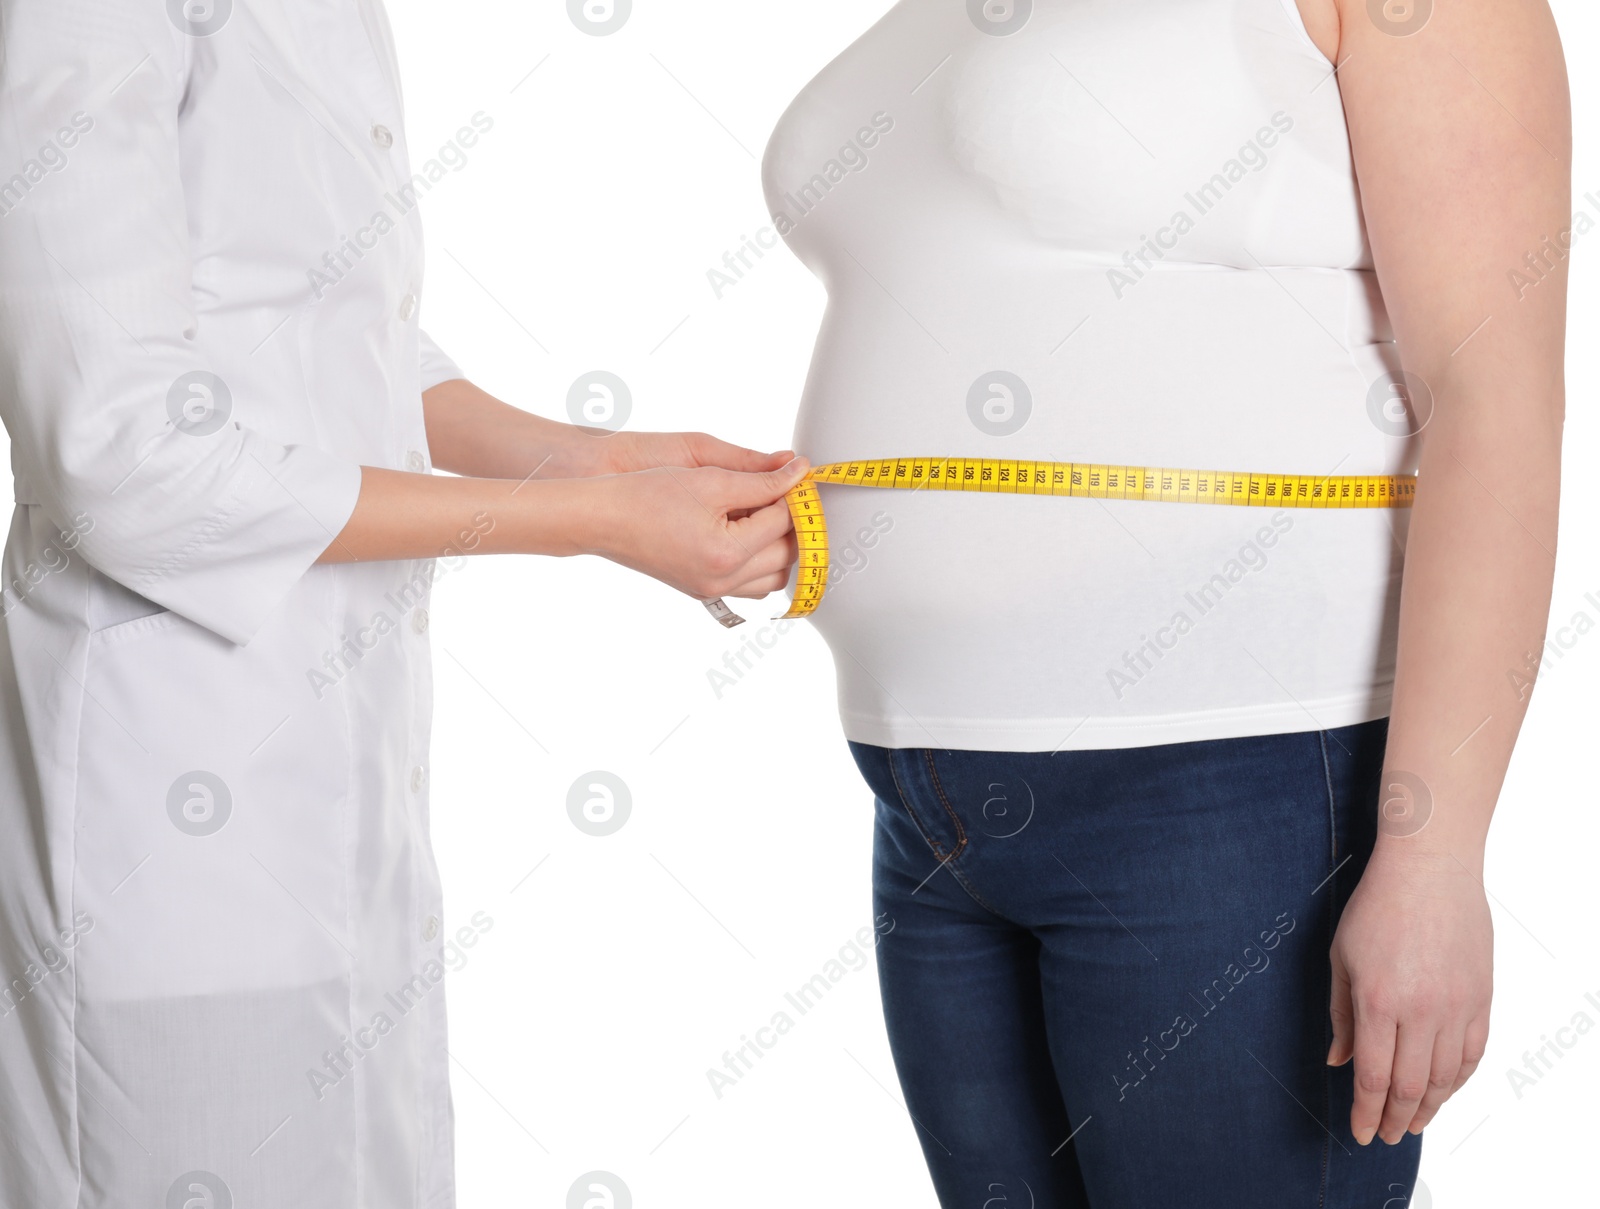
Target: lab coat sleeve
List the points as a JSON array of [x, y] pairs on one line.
[[98, 326], [436, 367]]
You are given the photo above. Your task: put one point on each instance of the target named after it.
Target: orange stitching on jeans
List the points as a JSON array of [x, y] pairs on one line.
[[911, 811], [961, 838], [938, 788]]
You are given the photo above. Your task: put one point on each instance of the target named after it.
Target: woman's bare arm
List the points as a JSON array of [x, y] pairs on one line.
[[1461, 136]]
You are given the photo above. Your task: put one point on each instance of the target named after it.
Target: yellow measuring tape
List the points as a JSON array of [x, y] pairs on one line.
[[1079, 479]]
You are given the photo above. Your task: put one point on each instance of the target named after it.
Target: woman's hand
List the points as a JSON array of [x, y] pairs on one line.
[[1413, 973], [1451, 190], [705, 531]]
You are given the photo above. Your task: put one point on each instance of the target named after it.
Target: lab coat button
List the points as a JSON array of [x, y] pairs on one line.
[[383, 137], [419, 777], [419, 620], [415, 462], [408, 307], [430, 928]]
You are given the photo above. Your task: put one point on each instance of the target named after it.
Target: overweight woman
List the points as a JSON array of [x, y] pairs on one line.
[[221, 932], [1181, 809]]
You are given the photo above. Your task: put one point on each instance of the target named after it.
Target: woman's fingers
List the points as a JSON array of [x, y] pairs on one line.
[[1409, 1078], [1446, 1066], [1342, 1013], [1473, 1044], [1414, 972], [1374, 1055]]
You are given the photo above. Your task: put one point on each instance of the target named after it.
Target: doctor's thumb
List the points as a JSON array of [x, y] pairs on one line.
[[770, 486]]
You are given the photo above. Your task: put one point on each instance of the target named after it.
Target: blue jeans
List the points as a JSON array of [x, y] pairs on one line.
[[1128, 949]]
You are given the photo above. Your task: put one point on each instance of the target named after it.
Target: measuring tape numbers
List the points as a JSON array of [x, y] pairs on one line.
[[1004, 476]]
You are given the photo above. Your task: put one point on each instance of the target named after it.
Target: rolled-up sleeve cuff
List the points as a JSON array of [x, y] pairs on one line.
[[285, 506], [436, 367]]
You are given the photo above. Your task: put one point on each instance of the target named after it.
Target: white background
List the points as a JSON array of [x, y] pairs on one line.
[[577, 237]]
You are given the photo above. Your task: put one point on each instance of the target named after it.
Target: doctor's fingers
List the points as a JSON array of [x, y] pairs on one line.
[[773, 558], [762, 527], [766, 569], [739, 491], [757, 589], [754, 563], [708, 450]]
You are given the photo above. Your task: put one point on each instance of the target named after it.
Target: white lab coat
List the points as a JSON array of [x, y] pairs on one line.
[[221, 933]]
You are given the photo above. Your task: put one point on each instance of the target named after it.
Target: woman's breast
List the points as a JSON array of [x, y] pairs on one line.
[[1139, 218], [1171, 131]]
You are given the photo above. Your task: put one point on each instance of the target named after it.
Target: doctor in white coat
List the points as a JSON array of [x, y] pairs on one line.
[[221, 930]]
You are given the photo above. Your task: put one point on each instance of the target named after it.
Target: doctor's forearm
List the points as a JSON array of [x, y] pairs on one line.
[[470, 432], [403, 516], [705, 531]]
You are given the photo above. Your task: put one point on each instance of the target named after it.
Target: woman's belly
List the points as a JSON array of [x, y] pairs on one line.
[[1035, 623]]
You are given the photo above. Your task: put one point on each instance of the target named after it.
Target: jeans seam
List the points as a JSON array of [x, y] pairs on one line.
[[911, 811], [938, 788], [961, 837], [1327, 1071]]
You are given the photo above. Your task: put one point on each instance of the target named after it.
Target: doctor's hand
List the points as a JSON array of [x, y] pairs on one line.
[[706, 531], [473, 434], [1413, 971], [624, 452]]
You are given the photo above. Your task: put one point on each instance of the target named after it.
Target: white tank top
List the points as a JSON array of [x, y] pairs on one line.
[[1138, 223]]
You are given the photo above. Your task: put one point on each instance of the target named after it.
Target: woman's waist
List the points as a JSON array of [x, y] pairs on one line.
[[999, 418], [1175, 377], [968, 556], [986, 607]]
